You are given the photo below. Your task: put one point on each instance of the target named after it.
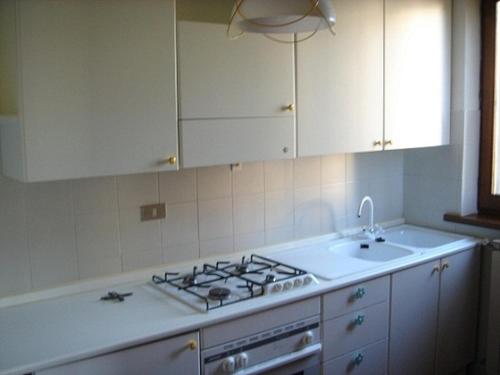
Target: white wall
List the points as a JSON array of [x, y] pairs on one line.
[[59, 232], [444, 179]]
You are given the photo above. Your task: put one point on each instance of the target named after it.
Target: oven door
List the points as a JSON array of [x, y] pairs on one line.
[[302, 362]]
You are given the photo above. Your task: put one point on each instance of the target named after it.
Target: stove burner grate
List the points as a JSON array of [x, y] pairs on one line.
[[212, 276]]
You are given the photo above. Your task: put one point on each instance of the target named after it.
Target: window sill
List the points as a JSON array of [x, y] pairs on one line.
[[478, 220]]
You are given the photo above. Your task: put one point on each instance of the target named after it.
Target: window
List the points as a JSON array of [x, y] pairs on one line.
[[489, 170]]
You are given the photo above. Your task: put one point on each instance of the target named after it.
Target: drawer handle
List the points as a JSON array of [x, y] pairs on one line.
[[360, 293], [444, 266], [192, 345], [358, 360], [360, 319]]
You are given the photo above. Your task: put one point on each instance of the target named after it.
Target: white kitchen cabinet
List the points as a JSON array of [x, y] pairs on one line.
[[433, 316], [96, 89], [458, 308], [414, 311], [236, 97], [417, 73], [355, 328], [340, 83], [178, 355]]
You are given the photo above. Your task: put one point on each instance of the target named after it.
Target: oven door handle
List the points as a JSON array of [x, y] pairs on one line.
[[282, 360]]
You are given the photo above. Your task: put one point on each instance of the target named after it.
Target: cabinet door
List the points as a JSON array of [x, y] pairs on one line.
[[414, 313], [98, 86], [417, 73], [458, 306], [234, 96], [223, 78], [172, 356], [340, 89]]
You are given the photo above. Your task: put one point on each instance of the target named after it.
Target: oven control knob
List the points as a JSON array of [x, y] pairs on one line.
[[308, 338], [228, 365], [308, 280], [277, 287], [242, 360], [287, 285], [297, 283]]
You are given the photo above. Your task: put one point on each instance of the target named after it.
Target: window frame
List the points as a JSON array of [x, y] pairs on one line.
[[488, 203]]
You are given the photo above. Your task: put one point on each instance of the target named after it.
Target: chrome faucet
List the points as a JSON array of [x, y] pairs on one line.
[[371, 227]]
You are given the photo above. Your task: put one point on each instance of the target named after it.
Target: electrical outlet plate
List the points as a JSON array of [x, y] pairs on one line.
[[153, 212]]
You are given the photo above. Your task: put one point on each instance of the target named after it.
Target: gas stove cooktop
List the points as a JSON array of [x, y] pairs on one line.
[[226, 283]]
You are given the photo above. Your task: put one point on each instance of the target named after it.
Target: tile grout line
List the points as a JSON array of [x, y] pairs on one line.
[[73, 216], [118, 221]]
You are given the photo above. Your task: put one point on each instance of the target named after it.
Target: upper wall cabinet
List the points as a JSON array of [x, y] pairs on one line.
[[236, 97], [340, 87], [417, 73], [95, 91]]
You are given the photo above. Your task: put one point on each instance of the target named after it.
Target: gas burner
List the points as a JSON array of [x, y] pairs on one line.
[[270, 278], [241, 268], [219, 293], [190, 280], [225, 283]]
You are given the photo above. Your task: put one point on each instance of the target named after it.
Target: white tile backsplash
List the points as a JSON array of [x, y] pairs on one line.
[[181, 225], [57, 232], [92, 195], [97, 235], [214, 182], [278, 175], [216, 219], [249, 180], [137, 190], [279, 209], [136, 236], [178, 187], [248, 214], [307, 172]]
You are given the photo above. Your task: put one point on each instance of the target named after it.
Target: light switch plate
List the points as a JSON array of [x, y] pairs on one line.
[[153, 212]]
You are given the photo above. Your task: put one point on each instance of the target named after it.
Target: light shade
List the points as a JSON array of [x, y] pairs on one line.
[[282, 16]]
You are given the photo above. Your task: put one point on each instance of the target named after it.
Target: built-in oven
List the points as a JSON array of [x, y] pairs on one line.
[[293, 348]]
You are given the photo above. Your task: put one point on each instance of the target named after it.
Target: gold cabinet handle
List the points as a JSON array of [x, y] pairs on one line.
[[435, 269], [445, 265], [289, 107], [388, 142], [377, 143], [192, 345], [172, 160]]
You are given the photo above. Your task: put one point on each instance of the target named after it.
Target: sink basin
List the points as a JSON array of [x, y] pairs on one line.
[[332, 260], [371, 251], [421, 238]]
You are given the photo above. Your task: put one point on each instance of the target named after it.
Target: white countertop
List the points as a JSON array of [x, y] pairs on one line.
[[54, 331]]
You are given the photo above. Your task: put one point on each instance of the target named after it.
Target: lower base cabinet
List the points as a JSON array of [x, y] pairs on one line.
[[369, 360], [355, 329], [434, 316], [177, 355]]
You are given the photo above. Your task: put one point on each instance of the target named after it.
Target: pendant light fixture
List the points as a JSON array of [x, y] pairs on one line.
[[272, 17]]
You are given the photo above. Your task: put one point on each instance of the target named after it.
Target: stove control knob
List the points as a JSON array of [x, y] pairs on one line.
[[241, 360], [287, 285], [308, 338], [308, 280], [297, 283], [277, 287], [228, 365]]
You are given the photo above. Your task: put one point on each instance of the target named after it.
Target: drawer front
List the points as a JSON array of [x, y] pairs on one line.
[[355, 297], [370, 360], [355, 330]]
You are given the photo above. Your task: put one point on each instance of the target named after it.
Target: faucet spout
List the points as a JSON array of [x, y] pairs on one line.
[[371, 227]]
